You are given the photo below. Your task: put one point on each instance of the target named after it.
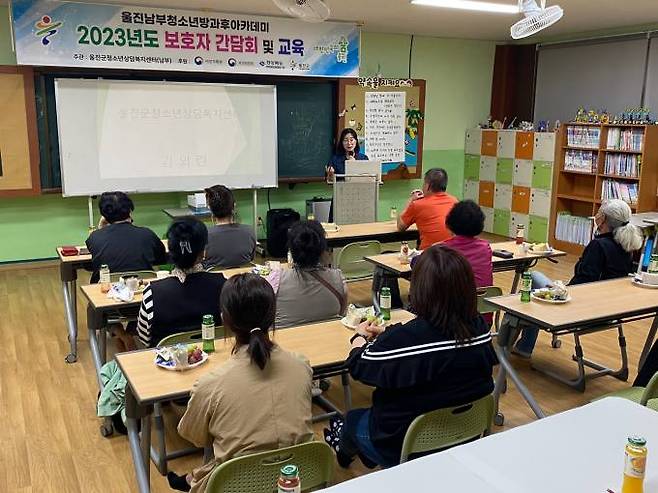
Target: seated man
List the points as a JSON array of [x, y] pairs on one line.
[[428, 209], [118, 242]]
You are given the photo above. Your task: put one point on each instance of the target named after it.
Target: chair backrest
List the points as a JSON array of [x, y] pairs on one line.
[[489, 292], [258, 473], [448, 426], [189, 337], [141, 274], [350, 259], [650, 391]]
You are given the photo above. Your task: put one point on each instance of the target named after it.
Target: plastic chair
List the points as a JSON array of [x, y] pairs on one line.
[[258, 473], [448, 427], [484, 307], [645, 396], [351, 262], [159, 452]]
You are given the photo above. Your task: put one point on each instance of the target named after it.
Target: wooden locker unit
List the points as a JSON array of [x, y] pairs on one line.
[[489, 143], [486, 194], [522, 173], [521, 200]]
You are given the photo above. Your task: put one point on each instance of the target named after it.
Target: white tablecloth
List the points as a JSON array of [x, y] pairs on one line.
[[577, 451]]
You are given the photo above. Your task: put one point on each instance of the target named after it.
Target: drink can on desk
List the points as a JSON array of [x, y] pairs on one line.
[[208, 333], [526, 286], [289, 481], [385, 303], [635, 462]]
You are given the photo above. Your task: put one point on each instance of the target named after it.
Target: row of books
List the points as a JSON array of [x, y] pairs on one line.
[[573, 229], [584, 137], [583, 161], [627, 139], [613, 189], [623, 165]]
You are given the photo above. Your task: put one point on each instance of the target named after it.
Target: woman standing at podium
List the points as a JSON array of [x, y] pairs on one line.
[[347, 149]]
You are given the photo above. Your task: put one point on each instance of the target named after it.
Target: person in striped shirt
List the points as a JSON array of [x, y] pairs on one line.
[[441, 358], [179, 302]]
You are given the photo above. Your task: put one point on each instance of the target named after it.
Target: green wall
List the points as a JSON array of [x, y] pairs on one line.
[[458, 75]]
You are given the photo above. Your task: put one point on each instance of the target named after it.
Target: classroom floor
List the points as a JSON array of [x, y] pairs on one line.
[[50, 434]]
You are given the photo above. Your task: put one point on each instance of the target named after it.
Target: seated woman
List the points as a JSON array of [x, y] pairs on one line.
[[466, 221], [607, 256], [229, 244], [307, 291], [118, 242], [455, 367], [179, 302], [260, 399]]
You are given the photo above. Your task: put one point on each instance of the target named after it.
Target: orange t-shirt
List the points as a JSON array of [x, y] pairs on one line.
[[429, 215]]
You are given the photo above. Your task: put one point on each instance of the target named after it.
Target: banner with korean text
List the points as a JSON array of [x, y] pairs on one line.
[[71, 34]]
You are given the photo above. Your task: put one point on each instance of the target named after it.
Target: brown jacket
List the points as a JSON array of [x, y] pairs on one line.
[[242, 409]]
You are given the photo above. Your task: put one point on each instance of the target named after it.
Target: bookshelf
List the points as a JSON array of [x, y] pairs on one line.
[[594, 161]]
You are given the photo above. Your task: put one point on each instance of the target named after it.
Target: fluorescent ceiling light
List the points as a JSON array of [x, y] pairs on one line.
[[501, 8]]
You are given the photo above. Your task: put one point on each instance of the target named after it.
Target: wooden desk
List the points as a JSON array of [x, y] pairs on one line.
[[381, 231], [594, 307], [390, 262], [325, 344], [68, 273], [102, 309]]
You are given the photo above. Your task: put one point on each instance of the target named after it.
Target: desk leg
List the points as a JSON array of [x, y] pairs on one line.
[[518, 271], [136, 446], [508, 369], [68, 291], [649, 342], [96, 354], [347, 390]]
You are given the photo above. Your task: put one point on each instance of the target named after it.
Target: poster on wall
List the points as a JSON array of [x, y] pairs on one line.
[[385, 124], [71, 34]]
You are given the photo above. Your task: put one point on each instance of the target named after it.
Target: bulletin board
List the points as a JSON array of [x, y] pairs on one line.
[[19, 161], [351, 114]]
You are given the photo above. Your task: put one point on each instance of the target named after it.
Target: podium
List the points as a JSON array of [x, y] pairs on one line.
[[356, 198]]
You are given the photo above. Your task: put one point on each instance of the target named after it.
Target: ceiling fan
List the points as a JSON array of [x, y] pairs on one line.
[[306, 10], [536, 18]]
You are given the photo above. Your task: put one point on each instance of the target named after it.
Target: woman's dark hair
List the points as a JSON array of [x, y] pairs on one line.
[[307, 242], [115, 206], [220, 201], [247, 302], [187, 238], [465, 219], [340, 150], [443, 292]]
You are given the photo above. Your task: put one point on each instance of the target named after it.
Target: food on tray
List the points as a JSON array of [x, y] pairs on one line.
[[180, 355], [557, 292], [540, 247], [355, 316]]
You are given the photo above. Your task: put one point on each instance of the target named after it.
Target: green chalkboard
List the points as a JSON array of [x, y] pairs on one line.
[[306, 113]]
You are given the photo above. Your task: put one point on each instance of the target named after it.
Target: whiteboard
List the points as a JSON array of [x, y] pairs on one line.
[[156, 136]]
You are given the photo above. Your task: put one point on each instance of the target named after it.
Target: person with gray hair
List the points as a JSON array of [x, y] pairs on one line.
[[607, 256]]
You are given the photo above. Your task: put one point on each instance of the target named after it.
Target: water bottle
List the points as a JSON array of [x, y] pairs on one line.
[[385, 303], [208, 333]]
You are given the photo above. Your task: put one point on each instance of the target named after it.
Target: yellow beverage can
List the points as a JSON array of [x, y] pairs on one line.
[[634, 465]]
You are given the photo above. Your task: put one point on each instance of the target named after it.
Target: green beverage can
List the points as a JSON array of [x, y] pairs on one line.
[[208, 333], [385, 303], [526, 286]]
